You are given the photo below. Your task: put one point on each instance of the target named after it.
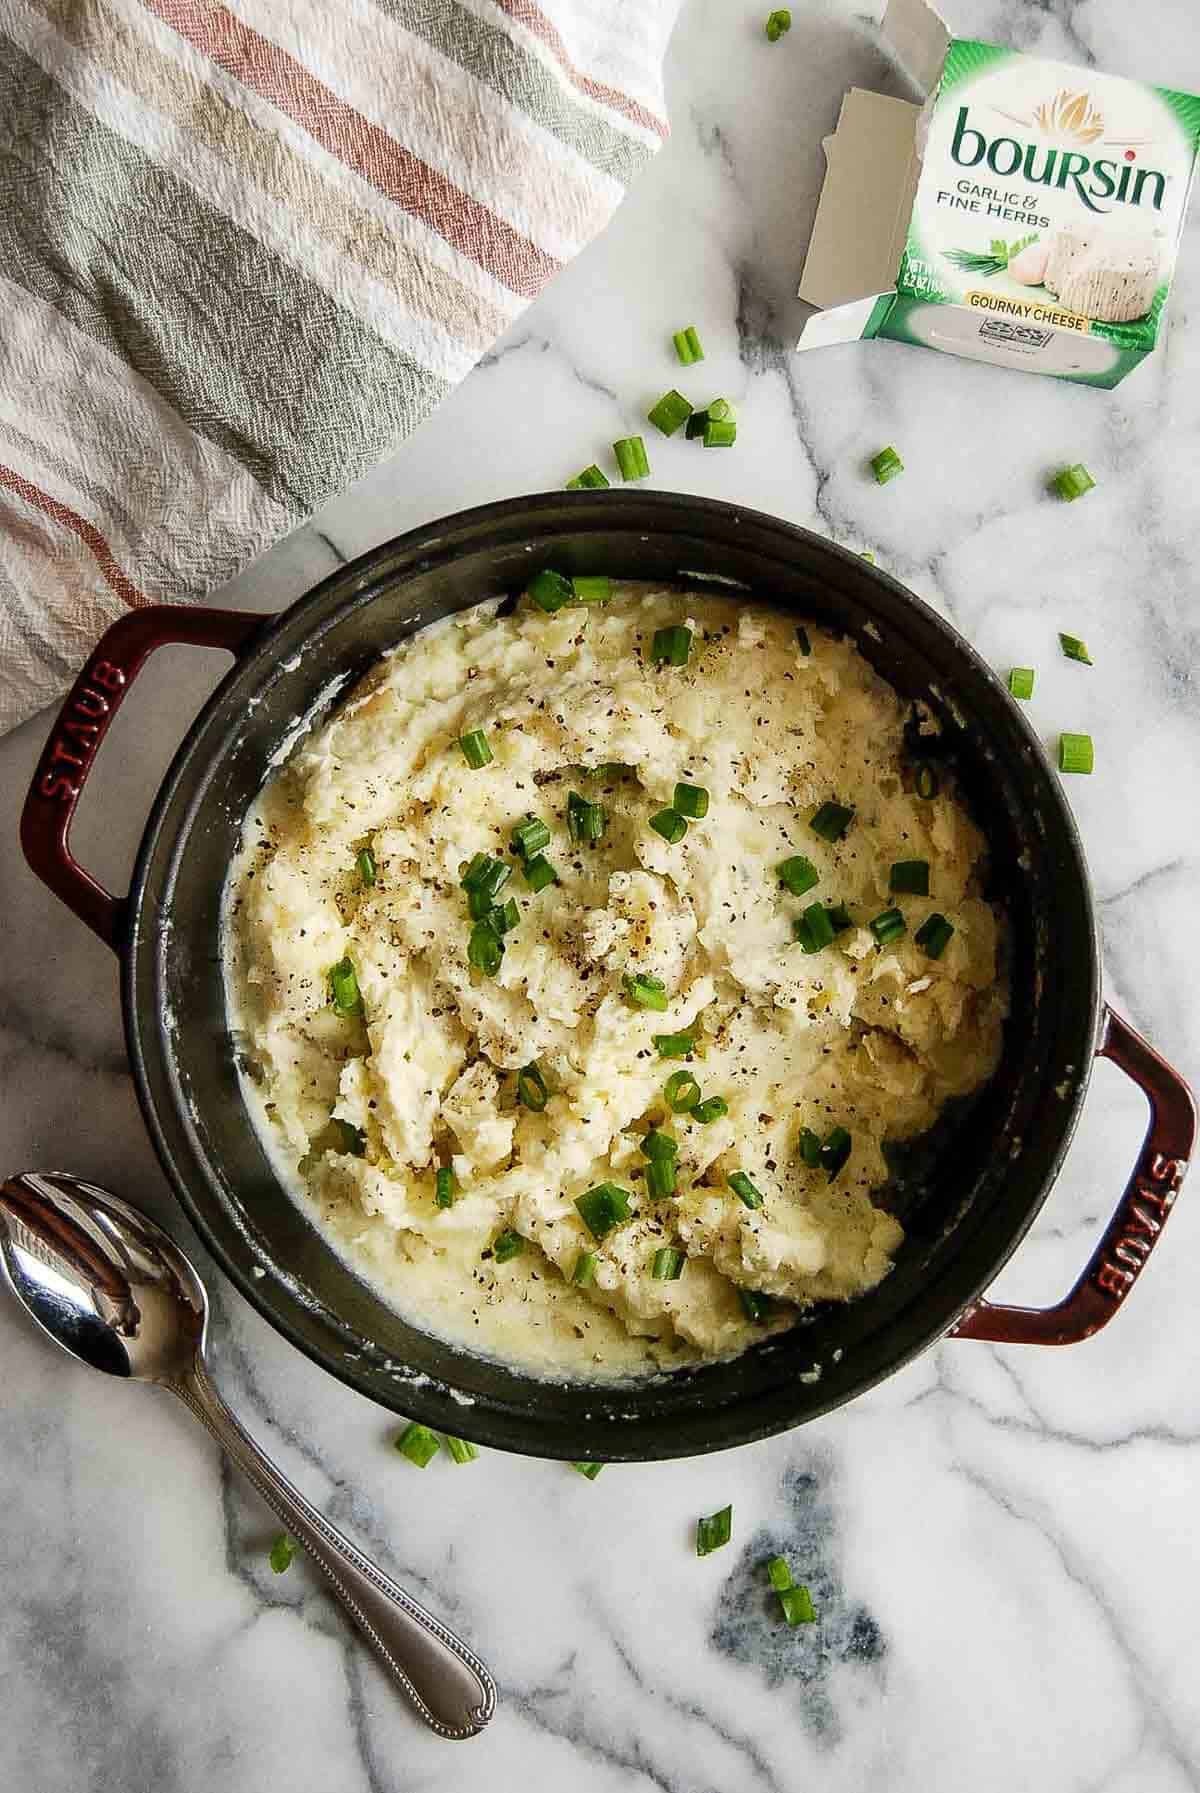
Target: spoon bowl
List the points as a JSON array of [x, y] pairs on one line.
[[110, 1287]]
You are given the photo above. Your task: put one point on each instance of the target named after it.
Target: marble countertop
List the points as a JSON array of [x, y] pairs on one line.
[[1000, 1541]]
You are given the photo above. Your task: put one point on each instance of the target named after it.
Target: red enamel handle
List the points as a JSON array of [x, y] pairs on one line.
[[1134, 1229], [82, 724]]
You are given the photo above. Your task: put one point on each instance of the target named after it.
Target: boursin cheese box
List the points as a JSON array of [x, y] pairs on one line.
[[1029, 213]]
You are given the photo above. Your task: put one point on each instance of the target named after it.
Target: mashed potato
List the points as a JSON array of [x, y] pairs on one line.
[[362, 1108]]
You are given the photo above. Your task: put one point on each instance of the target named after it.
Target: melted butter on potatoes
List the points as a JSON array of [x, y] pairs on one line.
[[871, 1038]]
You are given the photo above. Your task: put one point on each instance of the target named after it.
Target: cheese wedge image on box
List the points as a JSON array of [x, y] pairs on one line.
[[1029, 213]]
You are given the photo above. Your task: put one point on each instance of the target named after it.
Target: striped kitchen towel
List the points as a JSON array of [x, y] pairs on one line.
[[244, 250]]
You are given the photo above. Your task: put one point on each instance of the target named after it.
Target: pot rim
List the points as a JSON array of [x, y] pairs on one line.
[[360, 579]]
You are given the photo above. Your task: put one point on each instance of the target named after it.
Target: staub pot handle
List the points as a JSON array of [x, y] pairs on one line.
[[82, 724], [1135, 1227]]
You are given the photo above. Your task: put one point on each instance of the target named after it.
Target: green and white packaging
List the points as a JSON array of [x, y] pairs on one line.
[[1028, 214]]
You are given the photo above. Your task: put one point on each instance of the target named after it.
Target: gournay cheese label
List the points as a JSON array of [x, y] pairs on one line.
[[1050, 196]]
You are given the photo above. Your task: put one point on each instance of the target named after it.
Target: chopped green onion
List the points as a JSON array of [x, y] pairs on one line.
[[672, 646], [670, 824], [802, 641], [711, 1109], [418, 1444], [659, 1145], [461, 1449], [720, 410], [590, 477], [365, 861], [486, 876], [814, 929], [550, 591], [671, 411], [601, 1207], [644, 991], [1072, 482], [868, 557], [797, 1605], [778, 22], [687, 345], [283, 1549], [660, 1178], [343, 989], [682, 1092], [507, 1245], [1020, 682], [714, 1531], [584, 1273], [933, 936], [590, 1470], [531, 1088], [691, 800], [927, 783], [797, 874], [1075, 753], [779, 1574], [504, 919], [909, 877], [741, 1185], [475, 749], [697, 423], [888, 926], [1075, 649], [353, 1139], [485, 949], [529, 837], [839, 917], [809, 1147], [835, 1151], [539, 872], [755, 1305], [631, 457], [585, 821], [479, 905], [667, 1264], [444, 1186], [886, 465], [592, 588], [720, 432], [476, 870], [675, 1045], [831, 821]]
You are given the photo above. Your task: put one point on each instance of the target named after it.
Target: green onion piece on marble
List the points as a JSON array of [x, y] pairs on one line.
[[591, 477], [418, 1444], [1074, 649], [934, 935], [529, 837], [1075, 753], [645, 991], [814, 929], [532, 1092], [713, 1532], [671, 646], [888, 926], [539, 872], [779, 1574], [344, 992], [744, 1189], [697, 423], [584, 1273], [670, 413], [831, 821], [1072, 482], [585, 821], [550, 591], [670, 824], [797, 874], [602, 1207], [754, 1304], [365, 862], [1020, 682], [660, 1178], [687, 345], [719, 432], [691, 800], [504, 918], [590, 1470], [720, 410], [659, 1145], [682, 1092], [886, 465], [674, 1045], [460, 1449], [778, 22], [667, 1264], [485, 949], [592, 588], [631, 457], [711, 1109], [797, 1606], [283, 1550], [909, 877], [475, 749], [444, 1186], [507, 1245]]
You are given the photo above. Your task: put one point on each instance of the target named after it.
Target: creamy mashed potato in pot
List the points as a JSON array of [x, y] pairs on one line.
[[583, 961]]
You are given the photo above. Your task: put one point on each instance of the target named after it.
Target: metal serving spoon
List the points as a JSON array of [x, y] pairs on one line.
[[109, 1286]]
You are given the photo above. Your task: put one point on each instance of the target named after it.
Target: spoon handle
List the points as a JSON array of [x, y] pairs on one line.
[[446, 1682]]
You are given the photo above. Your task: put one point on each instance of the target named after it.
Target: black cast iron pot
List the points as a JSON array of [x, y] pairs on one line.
[[966, 1201]]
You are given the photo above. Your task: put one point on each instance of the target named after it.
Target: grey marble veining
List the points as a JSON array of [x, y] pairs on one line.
[[1001, 1542]]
